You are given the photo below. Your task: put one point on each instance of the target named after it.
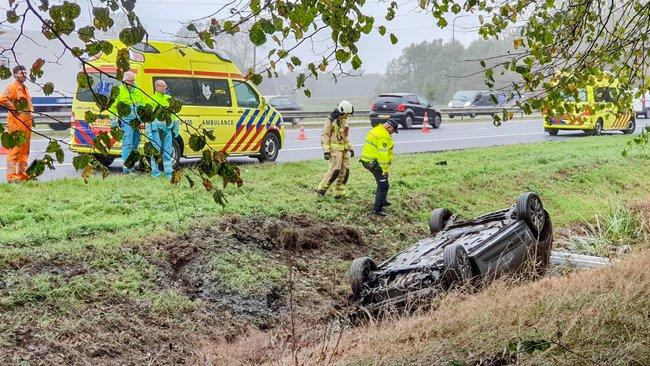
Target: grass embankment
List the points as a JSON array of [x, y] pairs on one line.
[[121, 268]]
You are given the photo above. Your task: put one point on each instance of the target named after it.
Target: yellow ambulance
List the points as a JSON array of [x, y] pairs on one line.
[[597, 112], [215, 96]]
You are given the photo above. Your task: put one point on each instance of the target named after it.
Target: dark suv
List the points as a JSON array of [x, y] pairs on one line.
[[475, 99], [407, 108]]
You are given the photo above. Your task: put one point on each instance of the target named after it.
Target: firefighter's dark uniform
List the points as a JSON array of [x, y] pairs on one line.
[[377, 156]]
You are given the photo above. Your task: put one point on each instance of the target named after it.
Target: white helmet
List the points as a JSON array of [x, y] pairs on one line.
[[345, 107]]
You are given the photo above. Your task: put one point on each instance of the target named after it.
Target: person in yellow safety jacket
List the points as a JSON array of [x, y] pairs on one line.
[[377, 156], [129, 124], [15, 92], [336, 144], [159, 133]]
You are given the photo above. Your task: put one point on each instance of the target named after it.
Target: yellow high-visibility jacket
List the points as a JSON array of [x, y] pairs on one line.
[[335, 135], [378, 147]]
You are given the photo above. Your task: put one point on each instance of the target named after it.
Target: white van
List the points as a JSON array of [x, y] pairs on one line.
[[642, 106]]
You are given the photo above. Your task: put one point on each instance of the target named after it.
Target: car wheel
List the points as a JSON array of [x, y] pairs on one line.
[[542, 253], [177, 152], [359, 273], [438, 220], [457, 265], [437, 121], [647, 114], [270, 148], [106, 160], [529, 208], [552, 131], [451, 116], [472, 115], [631, 126], [598, 129], [408, 122]]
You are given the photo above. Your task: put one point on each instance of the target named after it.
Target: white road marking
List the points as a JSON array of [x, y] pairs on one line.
[[433, 140]]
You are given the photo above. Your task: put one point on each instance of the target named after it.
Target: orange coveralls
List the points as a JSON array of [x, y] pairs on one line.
[[17, 157]]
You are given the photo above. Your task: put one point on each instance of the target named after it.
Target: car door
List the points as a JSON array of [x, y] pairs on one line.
[[414, 104], [217, 114]]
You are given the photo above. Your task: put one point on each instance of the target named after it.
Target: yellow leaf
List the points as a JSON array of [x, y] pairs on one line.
[[518, 42]]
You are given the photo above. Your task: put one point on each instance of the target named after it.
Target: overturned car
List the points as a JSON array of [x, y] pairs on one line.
[[458, 252]]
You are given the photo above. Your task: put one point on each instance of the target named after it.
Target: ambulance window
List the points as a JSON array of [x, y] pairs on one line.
[[603, 95], [246, 96], [102, 85], [181, 89], [213, 92]]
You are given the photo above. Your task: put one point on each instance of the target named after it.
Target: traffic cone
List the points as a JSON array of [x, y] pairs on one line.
[[425, 123], [301, 134]]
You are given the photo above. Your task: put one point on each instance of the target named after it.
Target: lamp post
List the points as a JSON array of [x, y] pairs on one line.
[[453, 24]]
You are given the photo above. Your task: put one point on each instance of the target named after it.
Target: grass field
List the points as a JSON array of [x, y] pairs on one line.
[[83, 261]]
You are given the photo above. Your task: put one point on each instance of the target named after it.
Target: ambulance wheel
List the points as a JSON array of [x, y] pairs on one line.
[[552, 131], [106, 160], [269, 149], [177, 152], [631, 126], [598, 130]]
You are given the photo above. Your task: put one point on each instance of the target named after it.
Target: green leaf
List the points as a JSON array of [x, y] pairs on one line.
[[296, 61], [90, 117], [456, 8], [356, 62], [255, 6], [307, 93], [190, 181], [342, 55], [5, 73], [256, 79], [80, 161], [60, 156], [393, 38], [12, 17], [192, 28], [197, 143], [133, 158], [52, 146], [36, 168], [209, 134], [382, 30], [48, 88], [257, 36], [300, 81]]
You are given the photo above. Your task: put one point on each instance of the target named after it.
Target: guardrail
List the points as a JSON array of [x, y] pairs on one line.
[[64, 116]]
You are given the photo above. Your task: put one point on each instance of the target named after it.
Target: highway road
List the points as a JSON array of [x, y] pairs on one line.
[[450, 136]]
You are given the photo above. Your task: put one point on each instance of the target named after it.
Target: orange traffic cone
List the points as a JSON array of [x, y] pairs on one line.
[[425, 123], [301, 134]]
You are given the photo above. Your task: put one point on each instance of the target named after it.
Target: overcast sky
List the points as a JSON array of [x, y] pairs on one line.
[[411, 25]]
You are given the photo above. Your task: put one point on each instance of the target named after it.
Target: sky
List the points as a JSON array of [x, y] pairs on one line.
[[411, 25]]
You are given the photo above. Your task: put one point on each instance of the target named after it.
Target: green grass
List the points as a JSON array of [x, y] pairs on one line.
[[67, 247]]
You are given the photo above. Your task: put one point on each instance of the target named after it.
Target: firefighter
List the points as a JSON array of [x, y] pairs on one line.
[[130, 124], [15, 97], [377, 156], [161, 134], [336, 145]]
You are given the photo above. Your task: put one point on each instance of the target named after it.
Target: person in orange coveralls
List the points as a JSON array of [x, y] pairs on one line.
[[18, 121]]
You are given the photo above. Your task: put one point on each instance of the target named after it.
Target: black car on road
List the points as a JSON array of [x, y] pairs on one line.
[[514, 240], [407, 108], [285, 104]]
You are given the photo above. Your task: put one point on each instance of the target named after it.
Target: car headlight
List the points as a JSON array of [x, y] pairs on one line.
[[467, 104]]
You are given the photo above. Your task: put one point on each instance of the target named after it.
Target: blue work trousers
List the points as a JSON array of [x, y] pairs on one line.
[[161, 137]]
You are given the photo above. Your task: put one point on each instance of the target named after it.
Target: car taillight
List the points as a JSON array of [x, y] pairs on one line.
[[373, 107], [401, 107]]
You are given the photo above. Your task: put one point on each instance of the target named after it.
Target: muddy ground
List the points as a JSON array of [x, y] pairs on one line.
[[127, 332]]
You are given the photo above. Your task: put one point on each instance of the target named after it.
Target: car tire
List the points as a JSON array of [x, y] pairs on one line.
[[438, 220], [631, 126], [530, 209], [408, 122], [359, 274], [647, 114], [177, 152], [106, 160], [472, 115], [542, 254], [552, 131], [598, 129], [269, 149], [457, 265], [451, 116], [437, 121]]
